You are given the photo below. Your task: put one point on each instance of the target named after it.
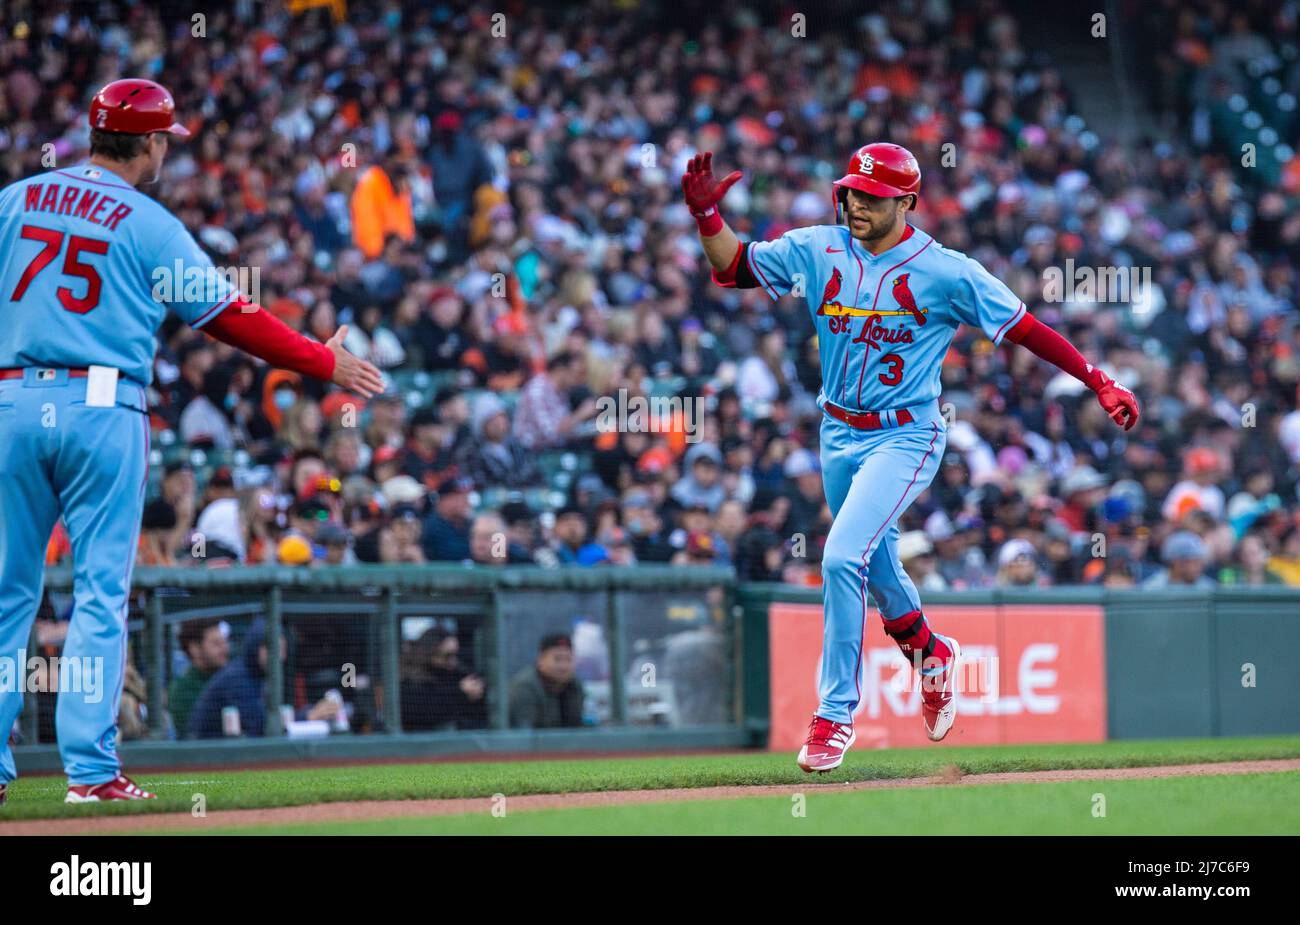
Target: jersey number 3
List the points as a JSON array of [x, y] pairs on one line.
[[895, 375], [72, 266]]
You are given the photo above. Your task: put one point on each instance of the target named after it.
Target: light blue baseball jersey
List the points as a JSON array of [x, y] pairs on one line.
[[92, 266], [884, 323]]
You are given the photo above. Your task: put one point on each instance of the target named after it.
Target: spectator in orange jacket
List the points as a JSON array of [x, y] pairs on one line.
[[380, 210]]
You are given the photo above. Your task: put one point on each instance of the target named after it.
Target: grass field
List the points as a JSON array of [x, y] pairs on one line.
[[1230, 804], [1262, 803]]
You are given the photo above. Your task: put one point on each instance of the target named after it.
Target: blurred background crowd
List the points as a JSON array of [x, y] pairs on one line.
[[492, 204]]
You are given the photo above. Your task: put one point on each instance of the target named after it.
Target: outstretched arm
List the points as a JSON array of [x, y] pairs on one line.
[[1038, 338], [251, 328]]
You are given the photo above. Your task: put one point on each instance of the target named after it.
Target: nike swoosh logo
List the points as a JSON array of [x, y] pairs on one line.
[[834, 250]]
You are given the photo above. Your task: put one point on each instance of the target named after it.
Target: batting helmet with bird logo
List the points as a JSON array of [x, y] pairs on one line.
[[880, 169]]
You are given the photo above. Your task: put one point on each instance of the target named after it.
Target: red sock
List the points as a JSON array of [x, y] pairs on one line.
[[912, 633]]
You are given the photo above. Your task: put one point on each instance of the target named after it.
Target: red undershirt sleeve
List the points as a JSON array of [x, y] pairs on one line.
[[1042, 341], [254, 330]]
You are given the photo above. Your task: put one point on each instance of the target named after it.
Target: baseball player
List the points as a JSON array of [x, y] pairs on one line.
[[886, 300], [80, 302]]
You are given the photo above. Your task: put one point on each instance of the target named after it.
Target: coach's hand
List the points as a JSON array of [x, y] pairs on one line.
[[699, 188], [1118, 402], [351, 372]]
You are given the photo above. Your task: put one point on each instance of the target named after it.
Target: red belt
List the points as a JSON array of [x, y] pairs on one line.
[[864, 420], [17, 373]]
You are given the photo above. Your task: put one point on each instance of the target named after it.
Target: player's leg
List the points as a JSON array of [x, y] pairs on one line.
[[899, 603], [897, 466], [841, 457], [101, 481], [28, 510], [828, 739], [932, 655], [888, 584]]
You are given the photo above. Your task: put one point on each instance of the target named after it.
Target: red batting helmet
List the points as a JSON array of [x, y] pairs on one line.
[[880, 169], [135, 107]]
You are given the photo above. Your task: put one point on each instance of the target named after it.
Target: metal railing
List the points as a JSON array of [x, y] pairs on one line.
[[630, 629]]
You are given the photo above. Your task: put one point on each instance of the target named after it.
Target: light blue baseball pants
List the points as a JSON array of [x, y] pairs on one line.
[[89, 465], [870, 477]]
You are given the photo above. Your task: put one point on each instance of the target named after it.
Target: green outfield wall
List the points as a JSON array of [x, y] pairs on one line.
[[1212, 662]]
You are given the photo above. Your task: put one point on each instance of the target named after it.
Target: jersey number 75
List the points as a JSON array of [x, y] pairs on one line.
[[72, 266]]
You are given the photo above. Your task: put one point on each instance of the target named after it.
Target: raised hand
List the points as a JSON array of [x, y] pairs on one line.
[[700, 189]]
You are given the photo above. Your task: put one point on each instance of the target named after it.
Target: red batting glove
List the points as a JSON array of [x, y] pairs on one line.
[[703, 193], [1118, 402]]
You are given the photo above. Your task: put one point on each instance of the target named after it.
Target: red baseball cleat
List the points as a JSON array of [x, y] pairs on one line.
[[119, 788], [825, 746], [938, 705]]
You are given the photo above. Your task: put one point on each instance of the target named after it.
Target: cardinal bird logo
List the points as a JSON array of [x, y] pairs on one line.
[[831, 291], [903, 295]]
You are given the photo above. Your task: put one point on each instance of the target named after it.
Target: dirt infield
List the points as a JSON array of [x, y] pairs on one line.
[[391, 809]]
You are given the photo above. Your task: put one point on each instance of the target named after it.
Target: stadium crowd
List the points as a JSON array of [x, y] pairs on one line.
[[497, 216]]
